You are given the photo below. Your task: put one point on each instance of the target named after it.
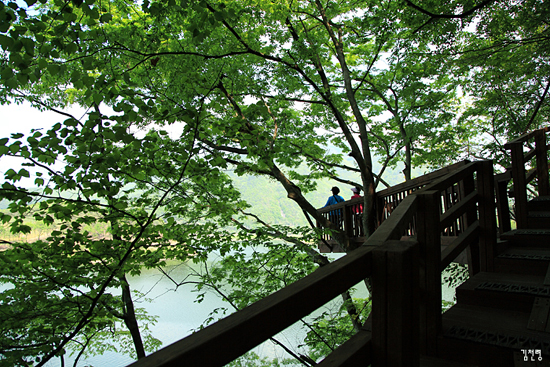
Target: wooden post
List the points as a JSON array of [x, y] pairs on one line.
[[542, 162], [503, 209], [348, 227], [429, 237], [487, 215], [520, 184], [471, 216], [395, 322]]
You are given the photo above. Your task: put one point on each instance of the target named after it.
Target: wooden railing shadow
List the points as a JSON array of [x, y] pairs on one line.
[[405, 276]]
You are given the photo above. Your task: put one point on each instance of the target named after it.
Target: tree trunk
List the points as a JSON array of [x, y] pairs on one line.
[[129, 317]]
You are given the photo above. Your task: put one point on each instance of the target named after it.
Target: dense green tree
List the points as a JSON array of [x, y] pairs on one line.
[[259, 87], [502, 46]]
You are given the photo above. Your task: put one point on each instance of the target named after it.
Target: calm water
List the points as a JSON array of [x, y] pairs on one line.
[[178, 315]]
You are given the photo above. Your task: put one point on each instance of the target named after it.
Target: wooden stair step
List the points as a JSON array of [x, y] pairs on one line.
[[503, 290], [528, 237], [538, 219], [426, 361], [541, 203], [488, 336], [523, 260], [538, 319]]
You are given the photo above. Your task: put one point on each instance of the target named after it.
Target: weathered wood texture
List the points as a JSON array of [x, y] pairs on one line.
[[430, 273], [395, 304]]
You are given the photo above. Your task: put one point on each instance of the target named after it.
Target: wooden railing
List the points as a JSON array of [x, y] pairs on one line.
[[388, 199], [348, 214], [536, 161], [405, 278]]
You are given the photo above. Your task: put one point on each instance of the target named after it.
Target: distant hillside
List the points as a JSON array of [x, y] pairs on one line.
[[269, 199]]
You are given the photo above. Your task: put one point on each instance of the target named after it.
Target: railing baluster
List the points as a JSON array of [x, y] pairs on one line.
[[542, 163], [520, 186], [487, 215], [429, 237], [471, 216]]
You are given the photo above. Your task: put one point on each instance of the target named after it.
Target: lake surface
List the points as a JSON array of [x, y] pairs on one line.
[[178, 314]]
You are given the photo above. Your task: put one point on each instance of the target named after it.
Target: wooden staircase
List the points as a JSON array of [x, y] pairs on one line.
[[502, 313], [502, 316]]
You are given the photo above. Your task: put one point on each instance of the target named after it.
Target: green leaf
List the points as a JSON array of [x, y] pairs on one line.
[[6, 42], [53, 69], [14, 148], [105, 18]]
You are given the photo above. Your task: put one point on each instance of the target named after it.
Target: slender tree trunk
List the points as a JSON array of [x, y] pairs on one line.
[[130, 318]]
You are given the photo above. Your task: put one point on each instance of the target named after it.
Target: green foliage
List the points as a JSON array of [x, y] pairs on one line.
[[455, 274], [256, 87], [329, 330], [252, 359]]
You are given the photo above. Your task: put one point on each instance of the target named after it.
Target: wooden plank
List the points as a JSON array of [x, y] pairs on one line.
[[451, 178], [503, 207], [487, 215], [418, 182], [354, 352], [428, 235], [539, 314], [530, 154], [542, 164], [243, 330], [471, 218], [547, 277], [520, 185], [530, 175], [379, 311], [394, 227], [395, 304], [403, 324], [524, 137]]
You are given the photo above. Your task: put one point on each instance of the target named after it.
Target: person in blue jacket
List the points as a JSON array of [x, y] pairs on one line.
[[335, 216], [335, 198]]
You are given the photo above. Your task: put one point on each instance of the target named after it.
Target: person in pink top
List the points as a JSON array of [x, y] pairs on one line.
[[358, 208]]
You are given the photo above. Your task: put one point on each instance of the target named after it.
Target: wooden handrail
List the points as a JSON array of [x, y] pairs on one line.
[[421, 181], [459, 244], [451, 178], [341, 205], [265, 318], [525, 137]]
